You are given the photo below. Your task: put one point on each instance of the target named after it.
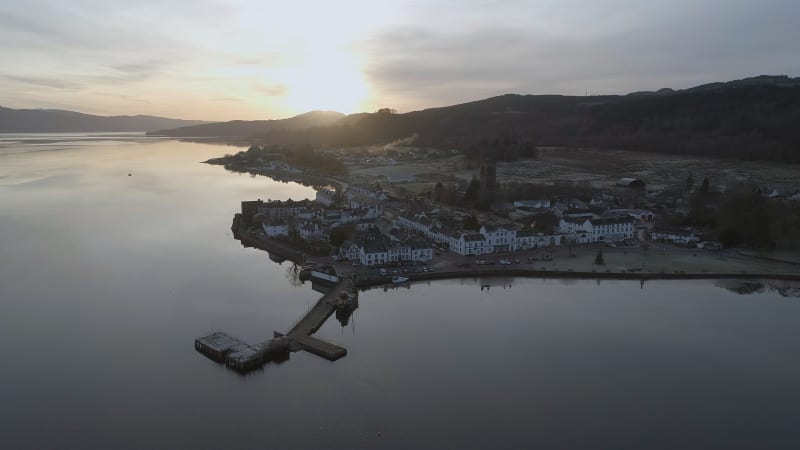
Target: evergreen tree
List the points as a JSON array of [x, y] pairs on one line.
[[473, 190], [599, 258], [704, 187]]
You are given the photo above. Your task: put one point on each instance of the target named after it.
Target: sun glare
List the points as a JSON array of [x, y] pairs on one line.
[[329, 79]]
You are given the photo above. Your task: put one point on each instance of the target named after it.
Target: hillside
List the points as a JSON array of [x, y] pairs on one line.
[[753, 118], [59, 121], [248, 128], [750, 119]]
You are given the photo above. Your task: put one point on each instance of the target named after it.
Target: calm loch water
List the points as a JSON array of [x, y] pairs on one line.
[[106, 279]]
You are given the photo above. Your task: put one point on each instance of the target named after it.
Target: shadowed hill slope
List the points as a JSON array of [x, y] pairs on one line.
[[248, 128], [60, 121], [753, 118]]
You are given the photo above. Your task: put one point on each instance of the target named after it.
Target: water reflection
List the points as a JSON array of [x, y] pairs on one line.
[[107, 279], [784, 288], [293, 274]]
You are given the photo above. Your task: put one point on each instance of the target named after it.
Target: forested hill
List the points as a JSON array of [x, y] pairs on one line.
[[249, 128], [754, 118], [60, 121]]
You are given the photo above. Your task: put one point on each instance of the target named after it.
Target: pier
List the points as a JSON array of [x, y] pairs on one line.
[[243, 357], [320, 312], [326, 350]]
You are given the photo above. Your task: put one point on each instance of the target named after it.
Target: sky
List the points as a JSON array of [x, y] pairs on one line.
[[236, 59]]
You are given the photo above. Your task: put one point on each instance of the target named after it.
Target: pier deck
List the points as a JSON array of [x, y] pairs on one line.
[[320, 312], [314, 319], [329, 351]]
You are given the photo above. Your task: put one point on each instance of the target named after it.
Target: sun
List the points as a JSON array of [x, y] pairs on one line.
[[327, 79]]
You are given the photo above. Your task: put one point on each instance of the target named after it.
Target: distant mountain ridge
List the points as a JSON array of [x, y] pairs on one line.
[[753, 118], [247, 128], [61, 121]]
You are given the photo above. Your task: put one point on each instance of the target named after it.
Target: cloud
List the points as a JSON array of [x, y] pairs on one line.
[[419, 65], [127, 98], [271, 90], [54, 83], [182, 54], [226, 99]]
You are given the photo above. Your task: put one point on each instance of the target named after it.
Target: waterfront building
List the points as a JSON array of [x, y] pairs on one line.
[[470, 244], [490, 238], [584, 230], [276, 228], [325, 196], [349, 251], [283, 209], [379, 252], [311, 231]]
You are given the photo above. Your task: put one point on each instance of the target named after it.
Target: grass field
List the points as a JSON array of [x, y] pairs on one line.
[[600, 168]]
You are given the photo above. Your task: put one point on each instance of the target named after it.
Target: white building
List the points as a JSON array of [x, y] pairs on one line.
[[420, 251], [490, 239], [675, 235], [325, 196], [612, 228], [279, 209], [372, 254], [376, 253], [360, 195], [276, 228], [535, 204], [470, 244], [349, 251], [604, 229], [528, 239], [310, 231], [499, 238]]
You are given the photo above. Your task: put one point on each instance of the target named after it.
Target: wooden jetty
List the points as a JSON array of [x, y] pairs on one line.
[[243, 357], [320, 312], [329, 351]]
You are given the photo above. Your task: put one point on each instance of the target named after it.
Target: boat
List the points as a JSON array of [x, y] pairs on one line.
[[398, 279]]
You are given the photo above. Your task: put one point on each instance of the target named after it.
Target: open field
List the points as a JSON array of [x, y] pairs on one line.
[[600, 168]]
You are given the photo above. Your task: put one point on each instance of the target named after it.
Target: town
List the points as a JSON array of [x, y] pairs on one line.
[[357, 227]]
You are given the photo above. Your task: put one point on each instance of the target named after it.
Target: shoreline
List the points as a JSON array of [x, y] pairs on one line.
[[306, 179], [275, 247], [532, 273]]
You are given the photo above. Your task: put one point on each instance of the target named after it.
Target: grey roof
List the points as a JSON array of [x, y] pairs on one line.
[[220, 342], [374, 247], [673, 230], [418, 245], [473, 237], [580, 220], [608, 220]]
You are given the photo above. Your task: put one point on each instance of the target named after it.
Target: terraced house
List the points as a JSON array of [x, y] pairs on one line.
[[583, 230]]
